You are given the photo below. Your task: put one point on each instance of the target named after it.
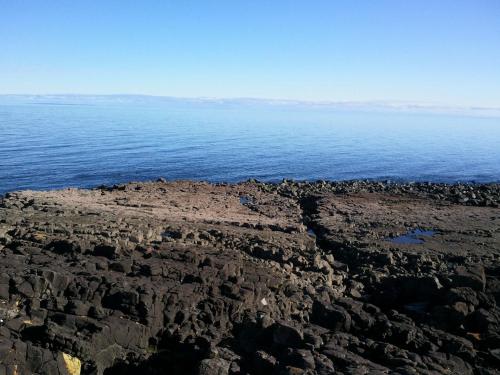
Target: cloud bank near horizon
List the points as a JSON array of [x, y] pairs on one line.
[[375, 105]]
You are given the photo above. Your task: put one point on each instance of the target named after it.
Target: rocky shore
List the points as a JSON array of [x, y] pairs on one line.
[[252, 278]]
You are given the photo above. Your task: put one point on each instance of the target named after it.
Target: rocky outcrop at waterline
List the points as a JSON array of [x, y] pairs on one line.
[[252, 278]]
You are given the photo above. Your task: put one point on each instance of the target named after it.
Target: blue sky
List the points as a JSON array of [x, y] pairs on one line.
[[444, 52]]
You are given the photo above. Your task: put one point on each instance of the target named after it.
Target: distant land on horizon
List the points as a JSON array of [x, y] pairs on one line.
[[375, 105]]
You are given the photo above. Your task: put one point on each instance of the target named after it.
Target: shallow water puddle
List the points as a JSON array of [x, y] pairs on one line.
[[413, 237], [311, 232], [246, 200], [170, 234], [416, 307]]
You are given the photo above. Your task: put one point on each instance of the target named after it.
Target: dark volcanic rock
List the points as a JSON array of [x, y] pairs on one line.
[[252, 278], [331, 316], [287, 336], [472, 276]]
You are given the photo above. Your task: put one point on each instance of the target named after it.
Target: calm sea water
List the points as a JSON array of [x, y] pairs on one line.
[[48, 144]]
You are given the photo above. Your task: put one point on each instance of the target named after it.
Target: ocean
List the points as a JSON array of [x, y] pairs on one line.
[[72, 141]]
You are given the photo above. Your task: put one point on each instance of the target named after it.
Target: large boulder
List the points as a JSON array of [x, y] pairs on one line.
[[331, 316], [471, 276]]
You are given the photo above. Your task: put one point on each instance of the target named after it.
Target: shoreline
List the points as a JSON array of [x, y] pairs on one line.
[[457, 192], [269, 278]]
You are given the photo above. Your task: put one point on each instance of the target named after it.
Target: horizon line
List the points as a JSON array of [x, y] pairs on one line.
[[380, 103]]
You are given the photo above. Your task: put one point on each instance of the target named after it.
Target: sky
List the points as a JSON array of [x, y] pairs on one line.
[[443, 52]]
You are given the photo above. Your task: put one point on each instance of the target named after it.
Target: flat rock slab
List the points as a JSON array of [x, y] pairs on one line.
[[374, 220]]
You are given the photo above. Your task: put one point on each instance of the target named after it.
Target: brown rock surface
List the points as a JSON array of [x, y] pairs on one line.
[[252, 278]]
